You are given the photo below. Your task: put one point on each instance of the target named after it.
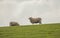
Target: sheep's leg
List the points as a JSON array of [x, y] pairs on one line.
[[32, 23], [40, 22]]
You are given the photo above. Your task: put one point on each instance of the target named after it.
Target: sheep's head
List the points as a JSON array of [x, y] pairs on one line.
[[30, 18]]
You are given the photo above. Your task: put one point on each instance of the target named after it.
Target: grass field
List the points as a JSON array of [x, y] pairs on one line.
[[31, 31]]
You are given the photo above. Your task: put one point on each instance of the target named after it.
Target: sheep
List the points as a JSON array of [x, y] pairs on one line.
[[35, 20], [14, 24]]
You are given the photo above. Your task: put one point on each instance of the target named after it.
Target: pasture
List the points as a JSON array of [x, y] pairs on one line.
[[31, 31]]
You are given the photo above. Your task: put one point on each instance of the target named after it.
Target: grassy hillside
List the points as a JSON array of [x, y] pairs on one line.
[[33, 31]]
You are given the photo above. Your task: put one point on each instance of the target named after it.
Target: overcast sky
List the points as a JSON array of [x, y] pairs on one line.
[[21, 10]]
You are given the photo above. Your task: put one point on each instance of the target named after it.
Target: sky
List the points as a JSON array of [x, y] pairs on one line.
[[21, 10]]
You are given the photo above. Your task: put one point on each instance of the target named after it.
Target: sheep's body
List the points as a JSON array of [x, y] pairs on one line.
[[14, 24], [35, 20]]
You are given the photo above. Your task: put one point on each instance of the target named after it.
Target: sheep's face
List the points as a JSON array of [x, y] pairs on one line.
[[30, 18]]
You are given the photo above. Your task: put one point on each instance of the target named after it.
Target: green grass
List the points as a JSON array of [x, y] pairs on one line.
[[31, 31]]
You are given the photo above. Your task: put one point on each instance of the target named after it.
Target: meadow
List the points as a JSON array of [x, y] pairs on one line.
[[31, 31]]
